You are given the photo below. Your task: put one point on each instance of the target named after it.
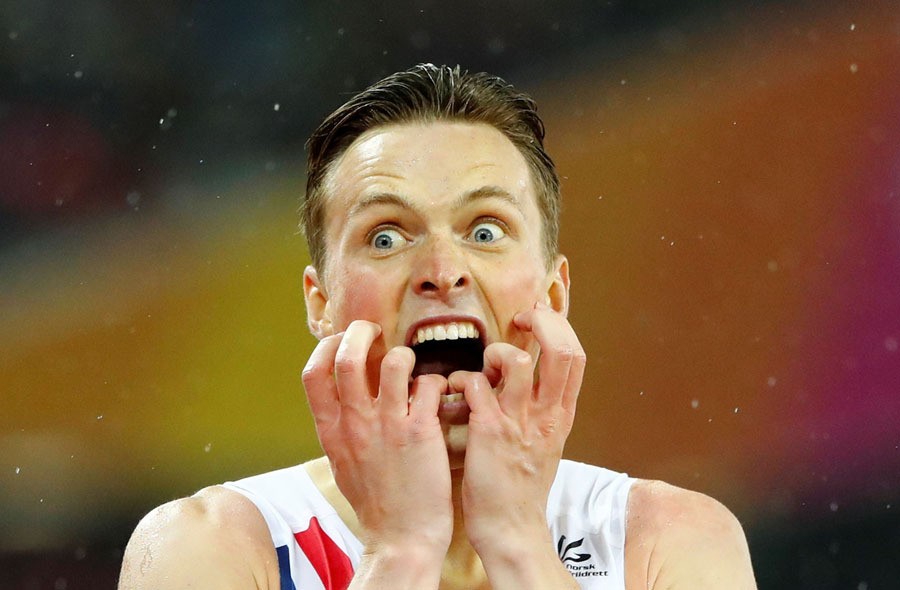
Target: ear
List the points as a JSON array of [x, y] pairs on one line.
[[318, 316], [558, 289]]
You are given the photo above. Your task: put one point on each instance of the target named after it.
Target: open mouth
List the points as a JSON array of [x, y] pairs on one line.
[[444, 348]]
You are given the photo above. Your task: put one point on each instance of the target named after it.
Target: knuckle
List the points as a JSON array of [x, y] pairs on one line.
[[522, 359], [563, 352], [580, 358], [394, 363], [312, 372], [348, 365]]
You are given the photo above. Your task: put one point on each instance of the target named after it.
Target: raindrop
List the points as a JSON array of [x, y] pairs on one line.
[[862, 586], [18, 469], [276, 106], [833, 506], [736, 410], [13, 35], [695, 403], [133, 198], [172, 113], [854, 68], [60, 584], [771, 381], [772, 265], [100, 417], [78, 74], [852, 26], [891, 344], [207, 448]]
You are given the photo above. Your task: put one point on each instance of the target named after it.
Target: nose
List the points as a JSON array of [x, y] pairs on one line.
[[441, 270]]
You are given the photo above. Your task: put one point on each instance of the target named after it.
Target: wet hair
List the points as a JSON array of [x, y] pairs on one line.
[[428, 93]]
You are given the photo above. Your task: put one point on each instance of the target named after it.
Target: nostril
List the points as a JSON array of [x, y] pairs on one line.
[[446, 284]]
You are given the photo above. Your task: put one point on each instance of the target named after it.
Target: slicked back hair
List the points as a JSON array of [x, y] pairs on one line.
[[422, 94]]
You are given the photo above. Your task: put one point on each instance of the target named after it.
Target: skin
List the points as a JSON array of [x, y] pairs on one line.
[[438, 504]]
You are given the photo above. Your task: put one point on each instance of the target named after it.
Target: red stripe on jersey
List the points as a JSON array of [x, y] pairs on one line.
[[329, 561]]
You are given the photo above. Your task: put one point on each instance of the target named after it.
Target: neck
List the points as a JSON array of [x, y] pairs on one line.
[[462, 566]]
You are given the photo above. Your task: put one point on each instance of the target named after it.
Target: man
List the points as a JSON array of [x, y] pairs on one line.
[[443, 386]]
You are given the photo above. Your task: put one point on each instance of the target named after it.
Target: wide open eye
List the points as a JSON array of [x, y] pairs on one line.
[[386, 239], [486, 232]]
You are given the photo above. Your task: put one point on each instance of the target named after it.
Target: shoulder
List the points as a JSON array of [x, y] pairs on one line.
[[216, 538], [677, 538]]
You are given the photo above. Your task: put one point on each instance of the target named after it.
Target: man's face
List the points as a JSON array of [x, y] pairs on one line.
[[433, 232]]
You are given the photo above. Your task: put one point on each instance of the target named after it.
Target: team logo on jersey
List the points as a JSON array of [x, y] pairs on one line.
[[575, 560]]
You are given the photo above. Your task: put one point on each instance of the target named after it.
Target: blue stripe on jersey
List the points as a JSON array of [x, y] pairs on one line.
[[284, 568]]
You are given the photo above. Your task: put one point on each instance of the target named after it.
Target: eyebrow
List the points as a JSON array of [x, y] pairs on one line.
[[478, 194]]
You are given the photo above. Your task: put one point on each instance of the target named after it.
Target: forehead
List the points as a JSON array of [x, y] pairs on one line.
[[436, 162]]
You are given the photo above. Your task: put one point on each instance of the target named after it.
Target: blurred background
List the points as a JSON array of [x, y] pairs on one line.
[[731, 213]]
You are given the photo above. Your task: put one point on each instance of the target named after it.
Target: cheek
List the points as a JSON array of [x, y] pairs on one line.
[[364, 295], [519, 292]]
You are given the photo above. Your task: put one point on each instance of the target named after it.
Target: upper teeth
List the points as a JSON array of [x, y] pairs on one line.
[[451, 331]]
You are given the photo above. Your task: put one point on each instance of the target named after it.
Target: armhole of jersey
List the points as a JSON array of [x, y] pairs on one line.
[[315, 548], [278, 527], [619, 515]]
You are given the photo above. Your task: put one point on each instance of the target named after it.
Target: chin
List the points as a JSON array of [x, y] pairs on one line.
[[455, 437]]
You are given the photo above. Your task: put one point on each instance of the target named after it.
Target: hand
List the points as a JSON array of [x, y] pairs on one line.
[[387, 452], [517, 431]]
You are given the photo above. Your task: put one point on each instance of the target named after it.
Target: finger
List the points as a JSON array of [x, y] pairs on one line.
[[425, 394], [393, 391], [516, 367], [477, 390], [350, 363], [318, 380], [562, 359]]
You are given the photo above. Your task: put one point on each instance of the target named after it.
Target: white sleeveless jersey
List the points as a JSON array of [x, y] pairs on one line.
[[316, 550]]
